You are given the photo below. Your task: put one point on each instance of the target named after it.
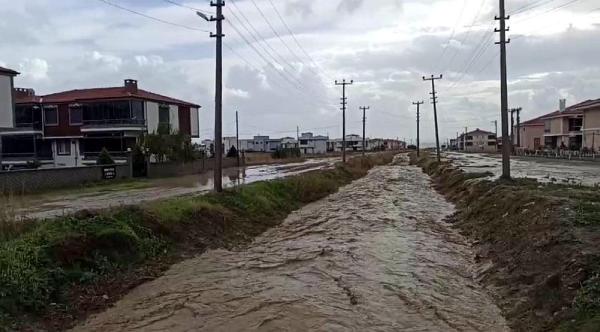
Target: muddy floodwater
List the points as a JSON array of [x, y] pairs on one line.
[[545, 170], [376, 256], [53, 205]]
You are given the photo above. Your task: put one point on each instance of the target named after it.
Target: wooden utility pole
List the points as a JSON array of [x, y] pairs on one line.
[[237, 138], [343, 83], [434, 102], [418, 104], [506, 143], [364, 145]]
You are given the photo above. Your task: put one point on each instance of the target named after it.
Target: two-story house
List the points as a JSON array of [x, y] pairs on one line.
[[478, 141], [70, 128], [564, 128], [591, 124], [311, 144]]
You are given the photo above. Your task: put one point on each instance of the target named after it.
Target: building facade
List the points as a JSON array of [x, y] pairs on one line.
[[478, 141], [311, 144], [71, 128]]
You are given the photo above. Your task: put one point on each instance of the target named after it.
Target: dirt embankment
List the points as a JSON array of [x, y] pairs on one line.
[[537, 245], [56, 272]]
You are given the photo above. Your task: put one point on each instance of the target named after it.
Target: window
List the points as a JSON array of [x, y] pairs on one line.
[[492, 137], [303, 142], [163, 114], [63, 147], [469, 143], [75, 115], [491, 143], [51, 115], [547, 126], [137, 111], [469, 138]]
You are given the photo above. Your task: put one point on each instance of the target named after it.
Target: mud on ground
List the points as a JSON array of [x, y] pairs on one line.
[[537, 245]]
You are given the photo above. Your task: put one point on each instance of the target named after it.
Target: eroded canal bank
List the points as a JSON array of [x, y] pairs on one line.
[[375, 256]]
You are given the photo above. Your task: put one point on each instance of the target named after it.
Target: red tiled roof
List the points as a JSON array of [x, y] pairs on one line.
[[8, 71], [589, 105], [539, 121], [110, 93], [571, 110], [28, 99]]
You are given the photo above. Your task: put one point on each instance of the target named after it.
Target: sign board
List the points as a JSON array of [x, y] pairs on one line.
[[109, 173]]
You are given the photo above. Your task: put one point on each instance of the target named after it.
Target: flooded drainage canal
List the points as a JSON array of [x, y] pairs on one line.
[[373, 257]]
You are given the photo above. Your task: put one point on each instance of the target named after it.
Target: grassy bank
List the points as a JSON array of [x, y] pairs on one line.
[[55, 272], [539, 245]]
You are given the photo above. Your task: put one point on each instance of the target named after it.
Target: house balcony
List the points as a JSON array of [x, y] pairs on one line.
[[91, 126]]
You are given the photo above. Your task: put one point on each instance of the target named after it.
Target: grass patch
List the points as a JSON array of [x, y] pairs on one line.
[[41, 264]]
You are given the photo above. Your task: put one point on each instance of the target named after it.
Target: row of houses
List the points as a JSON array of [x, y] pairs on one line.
[[70, 128], [308, 143], [576, 128]]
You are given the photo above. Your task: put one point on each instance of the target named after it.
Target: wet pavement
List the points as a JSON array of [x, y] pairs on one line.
[[544, 170], [53, 205], [376, 256]]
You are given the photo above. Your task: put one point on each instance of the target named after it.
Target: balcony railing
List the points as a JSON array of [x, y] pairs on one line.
[[37, 125], [114, 123]]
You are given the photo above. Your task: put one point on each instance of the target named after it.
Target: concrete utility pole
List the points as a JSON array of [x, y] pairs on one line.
[[418, 104], [364, 109], [237, 138], [465, 139], [343, 83], [434, 101], [506, 143], [218, 171]]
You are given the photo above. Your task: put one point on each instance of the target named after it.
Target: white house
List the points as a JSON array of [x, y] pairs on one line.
[[353, 143], [310, 144], [289, 143]]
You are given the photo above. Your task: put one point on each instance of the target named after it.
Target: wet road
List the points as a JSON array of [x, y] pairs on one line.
[[53, 205], [544, 170], [373, 257]]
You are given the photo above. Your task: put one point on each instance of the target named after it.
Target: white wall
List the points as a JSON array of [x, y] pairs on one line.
[[152, 116], [71, 160], [195, 124], [174, 117], [6, 102]]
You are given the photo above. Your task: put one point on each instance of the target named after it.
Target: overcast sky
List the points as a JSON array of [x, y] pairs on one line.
[[385, 46]]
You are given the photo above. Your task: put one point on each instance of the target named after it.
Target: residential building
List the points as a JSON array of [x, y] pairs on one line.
[[591, 124], [70, 128], [289, 143], [311, 144], [478, 141], [531, 134], [564, 128], [228, 142], [394, 144], [353, 143], [260, 144]]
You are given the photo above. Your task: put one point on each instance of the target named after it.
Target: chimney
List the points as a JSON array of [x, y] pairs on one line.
[[131, 86], [24, 93], [562, 105]]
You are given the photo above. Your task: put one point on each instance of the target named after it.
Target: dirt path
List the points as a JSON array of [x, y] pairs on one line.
[[373, 257]]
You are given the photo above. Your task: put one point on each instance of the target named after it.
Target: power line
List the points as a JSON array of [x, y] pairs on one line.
[[152, 17], [294, 36], [453, 32], [188, 7]]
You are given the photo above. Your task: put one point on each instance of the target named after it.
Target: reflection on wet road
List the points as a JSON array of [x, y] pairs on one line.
[[373, 257], [40, 208], [544, 170]]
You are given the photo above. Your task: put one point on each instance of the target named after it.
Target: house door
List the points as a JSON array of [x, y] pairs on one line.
[[536, 143]]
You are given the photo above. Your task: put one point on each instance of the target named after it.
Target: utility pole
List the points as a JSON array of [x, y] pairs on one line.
[[512, 127], [495, 122], [218, 171], [465, 140], [506, 144], [434, 101], [519, 126], [237, 138], [418, 104], [364, 146], [343, 83]]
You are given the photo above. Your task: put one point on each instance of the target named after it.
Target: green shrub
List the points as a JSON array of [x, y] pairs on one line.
[[104, 158]]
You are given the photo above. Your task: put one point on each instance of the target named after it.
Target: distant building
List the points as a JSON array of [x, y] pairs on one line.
[[289, 143], [311, 144], [531, 134], [478, 141], [591, 124], [353, 143]]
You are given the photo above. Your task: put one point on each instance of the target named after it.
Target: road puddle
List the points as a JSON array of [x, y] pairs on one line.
[[373, 257]]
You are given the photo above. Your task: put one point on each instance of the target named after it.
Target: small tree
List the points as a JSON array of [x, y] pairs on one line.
[[233, 152], [104, 158]]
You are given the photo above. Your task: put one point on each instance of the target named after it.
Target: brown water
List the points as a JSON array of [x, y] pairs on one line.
[[373, 257]]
